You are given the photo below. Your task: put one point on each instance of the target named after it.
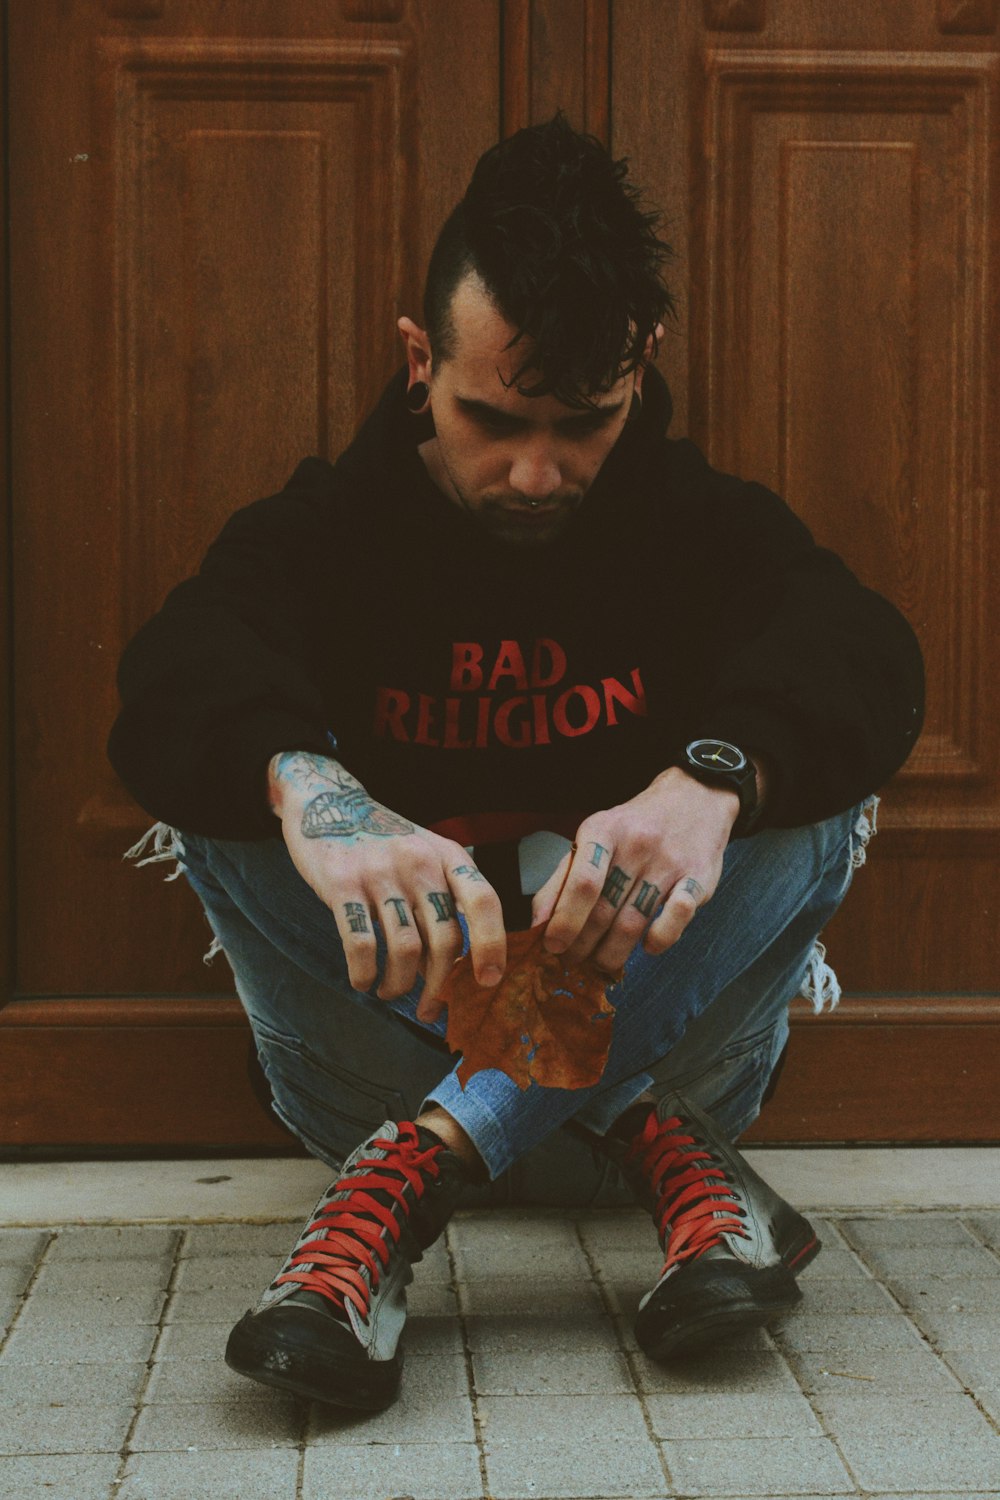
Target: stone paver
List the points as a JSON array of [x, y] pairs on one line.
[[539, 1372], [851, 1296], [193, 1341], [14, 1279], [75, 1476], [70, 1384], [200, 1380], [110, 1277], [561, 1471], [272, 1240], [758, 1466], [224, 1475], [46, 1427], [930, 1460], [429, 1419], [957, 1294], [874, 1372], [270, 1421], [522, 1378], [762, 1372], [526, 1332], [113, 1243], [959, 1329], [815, 1332], [732, 1414], [250, 1273], [91, 1309], [911, 1230], [987, 1226], [832, 1264], [65, 1343], [438, 1471], [509, 1294], [530, 1420], [979, 1371], [893, 1261], [22, 1246]]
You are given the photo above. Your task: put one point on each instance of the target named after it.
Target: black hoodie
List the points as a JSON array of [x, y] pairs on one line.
[[485, 690]]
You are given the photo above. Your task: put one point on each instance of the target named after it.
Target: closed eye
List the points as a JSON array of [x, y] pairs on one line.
[[502, 424]]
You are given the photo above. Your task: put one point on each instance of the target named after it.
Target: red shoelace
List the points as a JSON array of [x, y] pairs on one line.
[[689, 1187], [351, 1233]]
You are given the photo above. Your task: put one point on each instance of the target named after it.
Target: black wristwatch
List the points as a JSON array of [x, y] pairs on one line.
[[719, 763]]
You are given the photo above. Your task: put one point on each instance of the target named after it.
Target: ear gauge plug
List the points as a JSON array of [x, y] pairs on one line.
[[418, 397]]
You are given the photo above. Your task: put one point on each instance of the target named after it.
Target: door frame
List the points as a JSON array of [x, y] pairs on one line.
[[6, 567]]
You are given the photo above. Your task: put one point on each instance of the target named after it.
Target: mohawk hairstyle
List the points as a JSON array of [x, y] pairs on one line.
[[559, 239]]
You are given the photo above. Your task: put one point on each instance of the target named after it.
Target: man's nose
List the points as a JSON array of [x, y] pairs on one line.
[[535, 472]]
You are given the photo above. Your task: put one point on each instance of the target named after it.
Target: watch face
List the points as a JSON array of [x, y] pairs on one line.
[[716, 755]]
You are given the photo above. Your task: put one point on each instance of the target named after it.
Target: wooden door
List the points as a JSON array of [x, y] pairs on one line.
[[218, 214], [831, 174]]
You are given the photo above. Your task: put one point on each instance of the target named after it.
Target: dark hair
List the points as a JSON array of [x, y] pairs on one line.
[[558, 237]]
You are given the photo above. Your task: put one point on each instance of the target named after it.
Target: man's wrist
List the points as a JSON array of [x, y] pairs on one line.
[[294, 771], [721, 765]]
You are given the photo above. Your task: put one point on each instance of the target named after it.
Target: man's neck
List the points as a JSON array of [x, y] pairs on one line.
[[430, 455]]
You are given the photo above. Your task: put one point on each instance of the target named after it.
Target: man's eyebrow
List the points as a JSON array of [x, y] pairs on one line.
[[477, 407]]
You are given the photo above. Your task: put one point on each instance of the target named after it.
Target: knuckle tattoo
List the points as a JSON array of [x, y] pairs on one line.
[[398, 905], [444, 905], [647, 898], [357, 916], [616, 885]]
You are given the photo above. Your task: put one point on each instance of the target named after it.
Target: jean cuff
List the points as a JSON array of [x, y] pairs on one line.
[[484, 1129], [601, 1112]]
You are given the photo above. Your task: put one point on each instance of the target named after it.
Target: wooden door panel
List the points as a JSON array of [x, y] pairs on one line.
[[830, 183], [250, 211]]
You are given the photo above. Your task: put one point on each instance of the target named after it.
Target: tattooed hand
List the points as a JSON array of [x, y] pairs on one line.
[[373, 868], [640, 872]]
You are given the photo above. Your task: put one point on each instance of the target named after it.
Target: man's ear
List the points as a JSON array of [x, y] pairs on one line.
[[648, 355], [418, 349]]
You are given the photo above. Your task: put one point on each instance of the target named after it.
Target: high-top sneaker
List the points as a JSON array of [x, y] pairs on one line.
[[329, 1325], [732, 1245]]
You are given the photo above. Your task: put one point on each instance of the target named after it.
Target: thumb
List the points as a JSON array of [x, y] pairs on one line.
[[543, 902]]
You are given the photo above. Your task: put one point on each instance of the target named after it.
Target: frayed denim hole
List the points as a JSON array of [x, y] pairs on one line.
[[167, 845], [820, 987]]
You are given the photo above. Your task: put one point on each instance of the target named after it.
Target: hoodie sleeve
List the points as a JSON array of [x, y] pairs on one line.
[[218, 681], [803, 665]]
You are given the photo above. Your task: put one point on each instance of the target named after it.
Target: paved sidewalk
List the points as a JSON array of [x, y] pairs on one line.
[[523, 1381]]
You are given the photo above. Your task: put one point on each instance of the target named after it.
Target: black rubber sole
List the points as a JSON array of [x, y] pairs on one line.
[[706, 1305], [321, 1363]]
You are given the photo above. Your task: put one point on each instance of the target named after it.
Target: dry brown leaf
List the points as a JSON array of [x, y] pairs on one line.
[[543, 1021]]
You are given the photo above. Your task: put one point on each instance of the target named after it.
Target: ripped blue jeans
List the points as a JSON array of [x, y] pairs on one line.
[[709, 1016]]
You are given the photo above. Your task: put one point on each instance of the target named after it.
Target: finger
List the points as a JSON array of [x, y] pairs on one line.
[[357, 934], [429, 1009], [483, 912], [644, 901], [680, 907], [596, 888], [437, 919], [544, 899], [404, 946]]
